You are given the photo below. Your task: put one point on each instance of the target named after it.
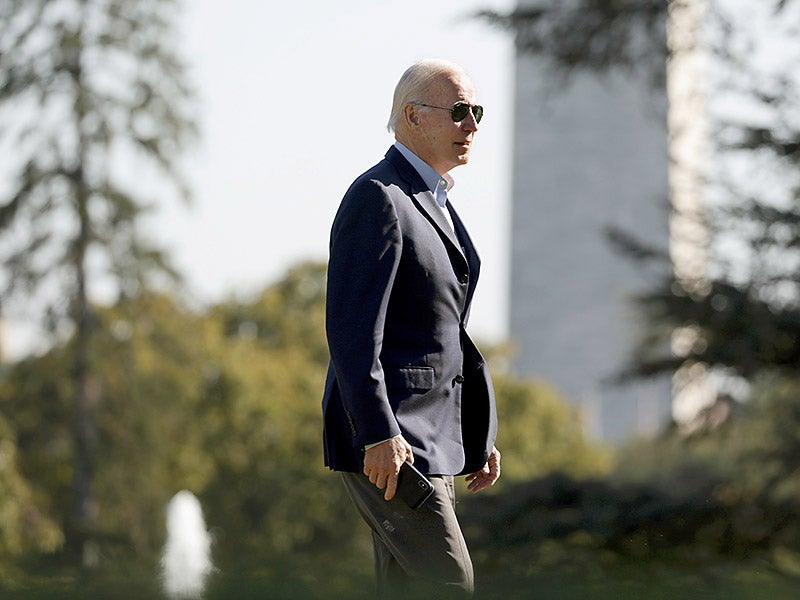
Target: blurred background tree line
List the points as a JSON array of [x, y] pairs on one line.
[[145, 395]]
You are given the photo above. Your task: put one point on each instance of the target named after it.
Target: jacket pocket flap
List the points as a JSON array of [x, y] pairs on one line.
[[410, 378]]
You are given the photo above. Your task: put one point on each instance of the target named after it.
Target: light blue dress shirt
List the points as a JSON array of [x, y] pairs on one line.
[[438, 184]]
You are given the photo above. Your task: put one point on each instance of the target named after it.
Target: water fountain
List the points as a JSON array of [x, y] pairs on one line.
[[186, 560]]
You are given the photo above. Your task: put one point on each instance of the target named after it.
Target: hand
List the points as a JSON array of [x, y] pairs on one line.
[[382, 463], [487, 476]]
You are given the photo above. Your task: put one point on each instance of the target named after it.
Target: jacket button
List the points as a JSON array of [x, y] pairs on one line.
[[458, 379], [464, 280]]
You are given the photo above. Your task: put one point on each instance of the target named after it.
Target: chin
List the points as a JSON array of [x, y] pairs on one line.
[[458, 161]]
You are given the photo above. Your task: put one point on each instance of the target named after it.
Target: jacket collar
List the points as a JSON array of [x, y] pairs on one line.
[[422, 195]]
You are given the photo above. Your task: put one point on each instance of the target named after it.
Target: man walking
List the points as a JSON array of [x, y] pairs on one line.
[[405, 381]]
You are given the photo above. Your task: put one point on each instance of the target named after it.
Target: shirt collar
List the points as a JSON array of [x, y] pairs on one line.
[[435, 182]]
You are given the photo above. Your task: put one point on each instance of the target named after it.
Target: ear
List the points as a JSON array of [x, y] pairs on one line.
[[411, 115]]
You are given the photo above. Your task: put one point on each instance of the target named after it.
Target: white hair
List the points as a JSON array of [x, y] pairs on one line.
[[415, 82]]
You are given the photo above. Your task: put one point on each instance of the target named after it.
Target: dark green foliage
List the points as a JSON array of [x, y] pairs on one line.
[[541, 432], [726, 495], [226, 403], [23, 526]]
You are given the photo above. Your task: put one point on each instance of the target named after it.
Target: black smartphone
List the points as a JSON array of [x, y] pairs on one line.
[[412, 486]]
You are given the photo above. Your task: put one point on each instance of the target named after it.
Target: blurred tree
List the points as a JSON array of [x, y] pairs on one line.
[[541, 432], [267, 443], [745, 319], [590, 35], [150, 355], [87, 89], [226, 403], [23, 527], [724, 494]]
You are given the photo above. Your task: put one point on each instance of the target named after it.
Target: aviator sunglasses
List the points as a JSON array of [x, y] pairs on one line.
[[459, 110]]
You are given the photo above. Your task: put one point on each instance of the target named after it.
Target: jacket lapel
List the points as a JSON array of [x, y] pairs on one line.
[[424, 198], [427, 202], [471, 254]]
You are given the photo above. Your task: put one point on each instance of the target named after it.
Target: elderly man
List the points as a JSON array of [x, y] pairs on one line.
[[405, 381]]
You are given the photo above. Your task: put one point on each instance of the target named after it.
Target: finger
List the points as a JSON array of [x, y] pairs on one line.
[[381, 481], [478, 485], [475, 478], [475, 486], [481, 482], [391, 487], [487, 483]]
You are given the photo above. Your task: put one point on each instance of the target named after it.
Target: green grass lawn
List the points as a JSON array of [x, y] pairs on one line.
[[654, 580]]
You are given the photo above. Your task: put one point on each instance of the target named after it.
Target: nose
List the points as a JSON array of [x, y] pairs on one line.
[[469, 123]]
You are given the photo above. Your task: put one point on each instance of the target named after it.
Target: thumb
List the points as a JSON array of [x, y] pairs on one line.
[[409, 454]]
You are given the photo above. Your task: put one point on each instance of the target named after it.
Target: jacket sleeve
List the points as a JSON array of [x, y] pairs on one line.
[[365, 250]]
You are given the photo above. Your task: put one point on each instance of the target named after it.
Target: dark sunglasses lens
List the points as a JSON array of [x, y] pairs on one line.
[[460, 110]]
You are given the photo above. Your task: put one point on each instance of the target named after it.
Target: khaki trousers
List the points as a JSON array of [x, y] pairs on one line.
[[417, 552]]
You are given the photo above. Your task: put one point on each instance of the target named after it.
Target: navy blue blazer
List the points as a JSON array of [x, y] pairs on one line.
[[400, 285]]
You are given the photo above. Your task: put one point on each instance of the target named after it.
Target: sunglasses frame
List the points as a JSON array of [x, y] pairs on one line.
[[471, 108]]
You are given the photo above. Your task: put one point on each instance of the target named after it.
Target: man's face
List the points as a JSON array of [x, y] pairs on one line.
[[438, 140]]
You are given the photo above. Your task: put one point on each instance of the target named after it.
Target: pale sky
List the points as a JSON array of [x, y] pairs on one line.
[[293, 104]]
